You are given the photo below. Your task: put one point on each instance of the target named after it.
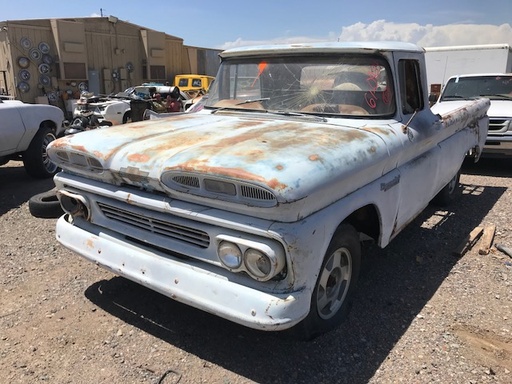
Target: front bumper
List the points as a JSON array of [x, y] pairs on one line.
[[190, 283], [498, 146]]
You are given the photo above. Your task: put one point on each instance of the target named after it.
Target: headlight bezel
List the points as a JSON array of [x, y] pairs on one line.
[[273, 255]]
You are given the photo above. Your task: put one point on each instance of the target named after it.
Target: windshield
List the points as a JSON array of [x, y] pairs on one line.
[[356, 85], [493, 87]]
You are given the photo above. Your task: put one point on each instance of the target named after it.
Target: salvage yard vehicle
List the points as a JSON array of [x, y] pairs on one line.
[[117, 109], [497, 87], [192, 84], [107, 110], [25, 132], [254, 207]]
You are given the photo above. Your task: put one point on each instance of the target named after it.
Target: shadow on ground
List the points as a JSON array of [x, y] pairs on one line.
[[395, 285], [17, 187], [497, 167]]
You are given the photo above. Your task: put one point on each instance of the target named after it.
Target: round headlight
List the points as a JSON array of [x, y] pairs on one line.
[[257, 263], [229, 254]]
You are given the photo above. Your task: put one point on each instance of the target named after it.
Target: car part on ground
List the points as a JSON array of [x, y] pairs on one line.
[[45, 205]]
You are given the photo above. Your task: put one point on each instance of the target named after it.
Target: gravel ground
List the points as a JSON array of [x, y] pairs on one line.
[[421, 314]]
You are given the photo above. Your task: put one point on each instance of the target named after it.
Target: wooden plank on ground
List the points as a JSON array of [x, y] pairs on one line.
[[487, 239], [469, 241]]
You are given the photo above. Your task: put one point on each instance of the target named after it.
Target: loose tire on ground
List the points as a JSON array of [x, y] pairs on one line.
[[331, 298], [35, 158], [45, 205]]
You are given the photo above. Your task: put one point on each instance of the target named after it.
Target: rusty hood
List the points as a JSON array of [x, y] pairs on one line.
[[292, 157]]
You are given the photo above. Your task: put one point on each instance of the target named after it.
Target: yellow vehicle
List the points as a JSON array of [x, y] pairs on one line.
[[193, 83]]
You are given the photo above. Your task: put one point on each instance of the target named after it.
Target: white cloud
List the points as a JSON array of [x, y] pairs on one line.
[[429, 35], [423, 35]]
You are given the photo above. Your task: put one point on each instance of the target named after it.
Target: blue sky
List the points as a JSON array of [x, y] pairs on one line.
[[228, 23]]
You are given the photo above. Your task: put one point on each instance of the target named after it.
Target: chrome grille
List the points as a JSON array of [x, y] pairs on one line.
[[158, 227], [498, 125]]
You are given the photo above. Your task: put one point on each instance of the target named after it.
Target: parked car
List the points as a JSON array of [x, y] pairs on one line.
[[117, 109], [25, 132], [193, 84], [254, 208], [498, 88]]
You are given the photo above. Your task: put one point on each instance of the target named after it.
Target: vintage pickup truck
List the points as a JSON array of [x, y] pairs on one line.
[[25, 132], [254, 207]]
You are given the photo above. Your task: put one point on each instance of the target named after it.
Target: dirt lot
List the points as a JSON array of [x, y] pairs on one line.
[[420, 315]]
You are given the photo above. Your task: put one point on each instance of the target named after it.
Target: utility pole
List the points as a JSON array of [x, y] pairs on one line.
[[101, 12]]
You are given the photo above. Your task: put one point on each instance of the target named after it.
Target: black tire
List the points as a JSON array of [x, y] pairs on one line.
[[45, 205], [35, 158], [331, 298], [127, 118], [449, 192]]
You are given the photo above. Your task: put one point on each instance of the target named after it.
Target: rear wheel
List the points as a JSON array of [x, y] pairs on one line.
[[331, 298], [449, 192], [35, 159]]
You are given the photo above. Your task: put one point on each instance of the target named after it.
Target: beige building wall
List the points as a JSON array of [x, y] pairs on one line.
[[56, 59]]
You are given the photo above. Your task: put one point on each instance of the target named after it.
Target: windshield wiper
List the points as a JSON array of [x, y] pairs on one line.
[[500, 96], [449, 97], [298, 114], [253, 100], [249, 101]]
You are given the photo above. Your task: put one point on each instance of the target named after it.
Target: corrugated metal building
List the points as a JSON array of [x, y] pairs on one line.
[[55, 59]]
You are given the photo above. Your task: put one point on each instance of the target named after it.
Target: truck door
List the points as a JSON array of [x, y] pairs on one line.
[[420, 159], [12, 128]]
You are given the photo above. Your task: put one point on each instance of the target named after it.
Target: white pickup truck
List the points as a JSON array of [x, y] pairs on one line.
[[497, 87], [25, 132], [253, 208]]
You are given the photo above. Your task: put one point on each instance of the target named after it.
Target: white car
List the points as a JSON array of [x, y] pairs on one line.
[[117, 109], [26, 131], [113, 110]]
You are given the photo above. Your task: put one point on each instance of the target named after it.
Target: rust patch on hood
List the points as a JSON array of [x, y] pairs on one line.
[[139, 158], [379, 130]]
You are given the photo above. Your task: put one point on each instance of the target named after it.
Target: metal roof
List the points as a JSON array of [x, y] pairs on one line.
[[341, 47]]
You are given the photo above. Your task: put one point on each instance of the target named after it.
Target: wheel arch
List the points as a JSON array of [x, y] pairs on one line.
[[48, 124], [127, 115], [366, 220]]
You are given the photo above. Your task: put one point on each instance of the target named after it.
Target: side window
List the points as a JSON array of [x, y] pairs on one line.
[[410, 86]]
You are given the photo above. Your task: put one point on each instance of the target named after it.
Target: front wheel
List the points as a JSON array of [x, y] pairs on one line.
[[35, 159], [127, 118], [331, 298]]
